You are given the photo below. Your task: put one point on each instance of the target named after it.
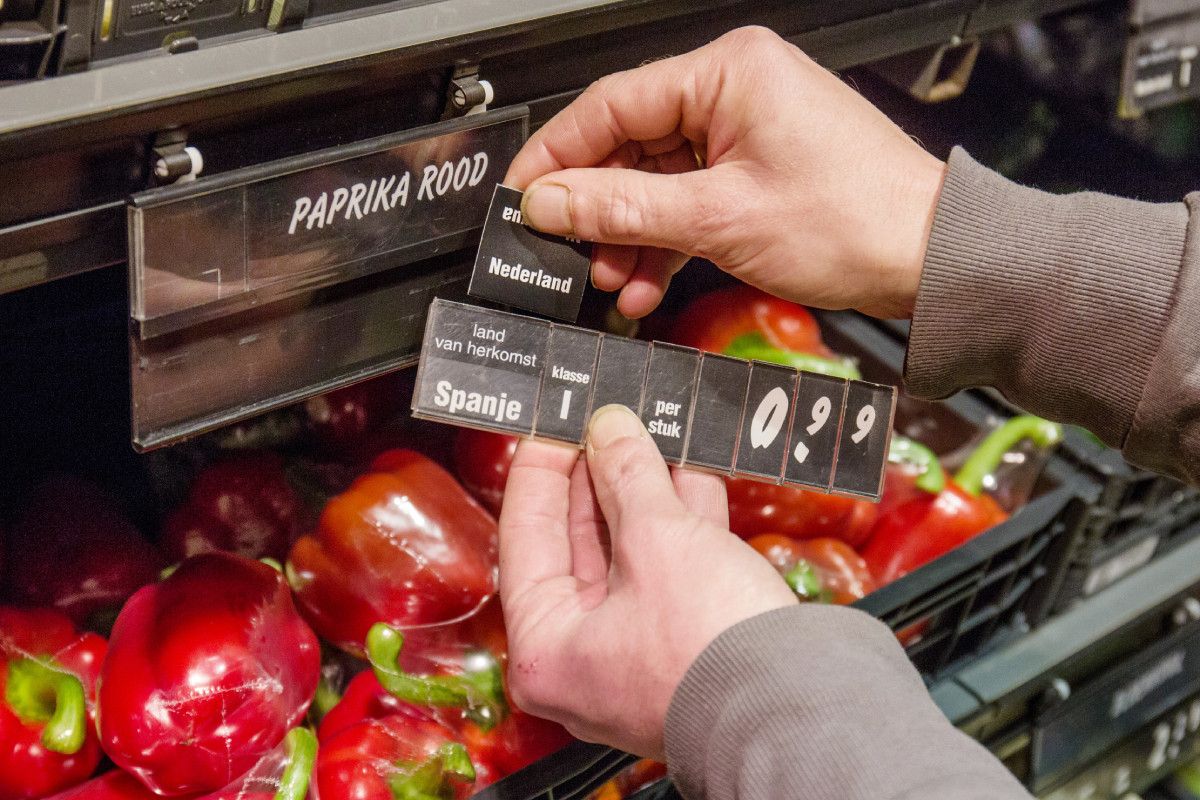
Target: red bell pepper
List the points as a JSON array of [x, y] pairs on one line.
[[482, 460], [713, 321], [113, 785], [632, 779], [467, 685], [927, 526], [242, 504], [72, 547], [363, 699], [405, 544], [282, 774], [206, 672], [47, 702], [397, 757], [339, 420], [822, 570], [757, 508]]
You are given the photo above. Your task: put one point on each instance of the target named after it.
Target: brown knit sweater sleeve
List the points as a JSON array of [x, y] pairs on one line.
[[819, 702], [1083, 308]]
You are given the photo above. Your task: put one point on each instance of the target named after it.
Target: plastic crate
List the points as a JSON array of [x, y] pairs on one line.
[[1132, 515]]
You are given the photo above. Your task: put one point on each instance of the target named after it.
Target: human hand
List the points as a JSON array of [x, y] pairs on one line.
[[809, 192], [614, 576]]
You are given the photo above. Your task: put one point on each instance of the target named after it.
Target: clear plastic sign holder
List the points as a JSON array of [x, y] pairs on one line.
[[262, 286]]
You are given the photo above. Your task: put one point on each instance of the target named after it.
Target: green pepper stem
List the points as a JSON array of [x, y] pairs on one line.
[[301, 747], [479, 691], [41, 694], [988, 455], [930, 476], [805, 582], [755, 347], [427, 779]]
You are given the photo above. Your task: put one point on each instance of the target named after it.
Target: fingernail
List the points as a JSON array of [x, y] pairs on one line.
[[546, 207], [613, 422]]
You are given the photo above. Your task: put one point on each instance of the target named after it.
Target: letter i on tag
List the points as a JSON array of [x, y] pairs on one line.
[[567, 381], [520, 267]]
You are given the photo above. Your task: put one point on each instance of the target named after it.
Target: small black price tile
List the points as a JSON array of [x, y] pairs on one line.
[[567, 383], [812, 448], [764, 436], [521, 267], [720, 397], [481, 367], [667, 397], [620, 371], [866, 431]]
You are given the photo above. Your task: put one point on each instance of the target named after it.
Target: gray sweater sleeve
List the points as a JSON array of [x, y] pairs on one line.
[[1083, 308], [819, 702]]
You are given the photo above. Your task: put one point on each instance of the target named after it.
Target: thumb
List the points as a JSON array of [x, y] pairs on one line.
[[626, 206], [629, 476]]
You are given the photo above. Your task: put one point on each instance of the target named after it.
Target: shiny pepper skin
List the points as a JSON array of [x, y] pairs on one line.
[[405, 544], [206, 672], [42, 649]]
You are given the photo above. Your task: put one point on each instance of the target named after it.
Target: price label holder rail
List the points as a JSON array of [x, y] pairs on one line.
[[262, 286], [1161, 65], [1147, 709], [499, 371]]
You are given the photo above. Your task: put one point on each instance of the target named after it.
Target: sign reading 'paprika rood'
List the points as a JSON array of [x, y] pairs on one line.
[[239, 239], [499, 371]]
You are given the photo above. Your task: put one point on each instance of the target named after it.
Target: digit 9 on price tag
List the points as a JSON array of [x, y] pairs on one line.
[[490, 369], [866, 431]]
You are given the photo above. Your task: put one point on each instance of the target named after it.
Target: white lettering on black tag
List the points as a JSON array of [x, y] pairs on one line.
[[520, 267]]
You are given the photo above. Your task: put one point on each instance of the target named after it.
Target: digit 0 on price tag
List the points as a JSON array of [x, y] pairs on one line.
[[866, 432], [764, 435], [816, 422]]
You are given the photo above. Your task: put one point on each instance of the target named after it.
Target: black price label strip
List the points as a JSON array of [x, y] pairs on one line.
[[507, 372]]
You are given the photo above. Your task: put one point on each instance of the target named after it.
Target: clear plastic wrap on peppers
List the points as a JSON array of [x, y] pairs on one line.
[[206, 672], [405, 545], [283, 773]]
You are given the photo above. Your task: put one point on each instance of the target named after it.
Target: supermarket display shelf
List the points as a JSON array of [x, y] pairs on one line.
[[351, 77], [1086, 657]]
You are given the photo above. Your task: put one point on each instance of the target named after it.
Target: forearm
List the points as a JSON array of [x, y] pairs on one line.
[[820, 702], [1081, 308]]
